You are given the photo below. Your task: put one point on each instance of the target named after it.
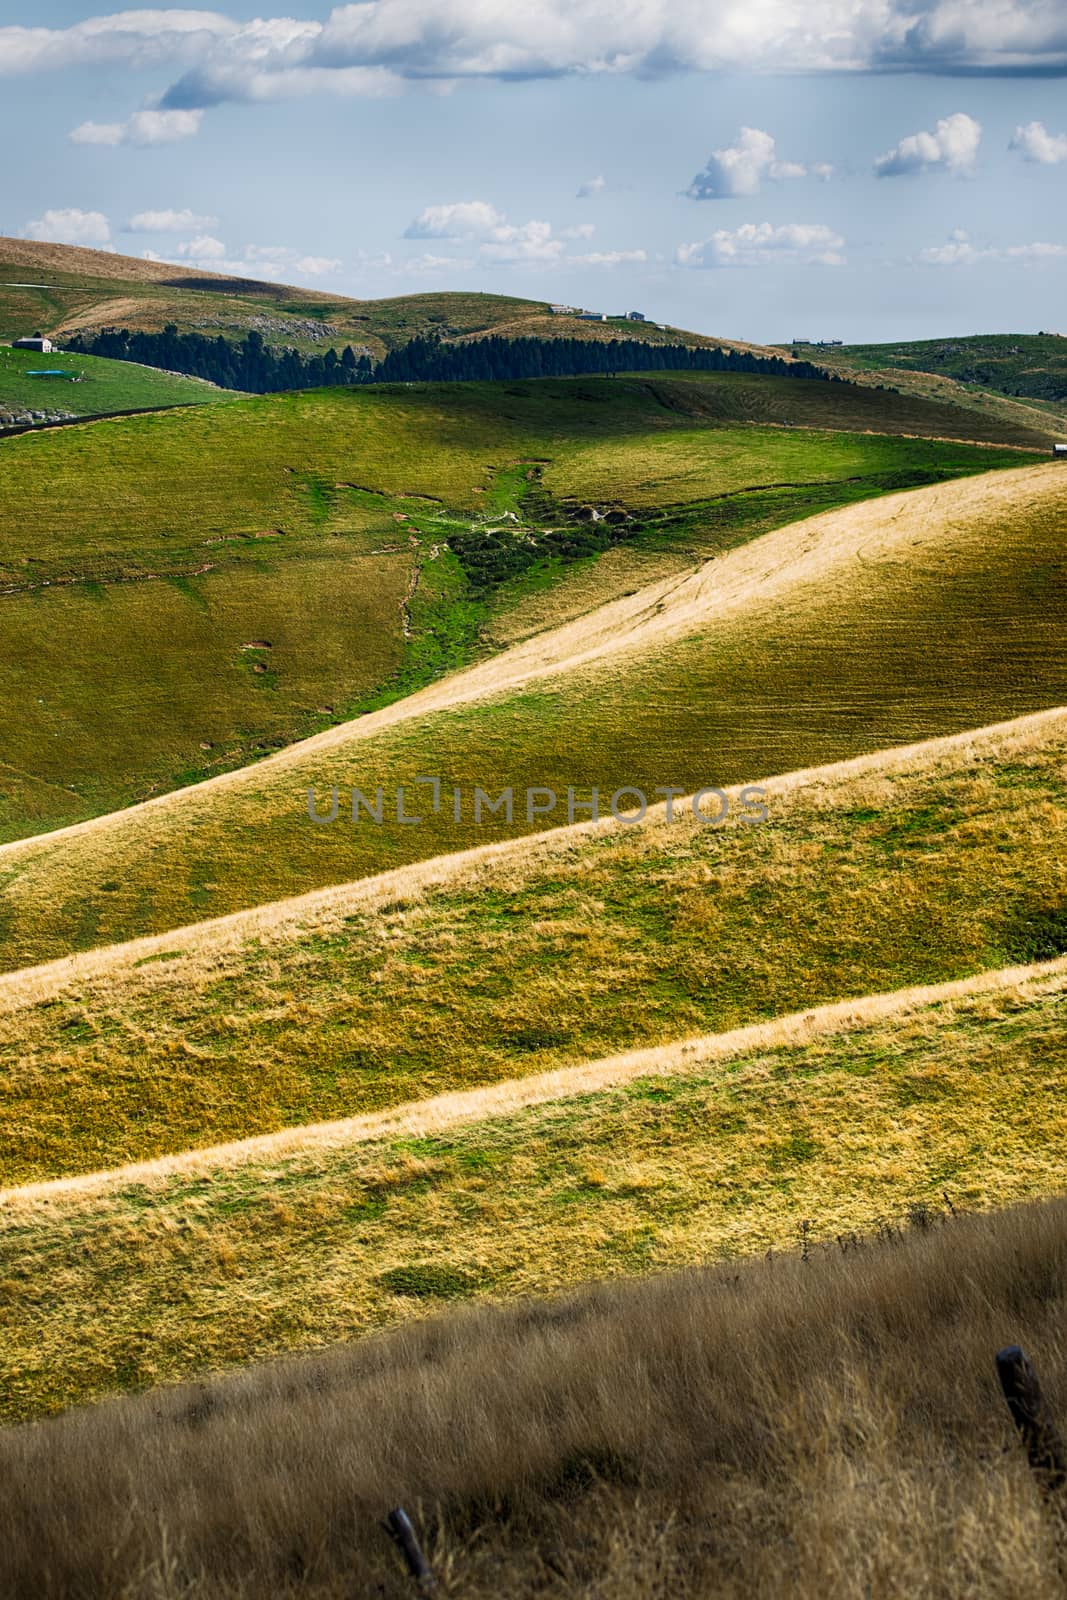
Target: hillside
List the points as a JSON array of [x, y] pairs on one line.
[[526, 957], [986, 371], [55, 388], [243, 577], [825, 1423], [805, 645], [63, 289]]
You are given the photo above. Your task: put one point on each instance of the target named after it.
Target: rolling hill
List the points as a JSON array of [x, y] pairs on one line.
[[244, 576], [528, 956], [805, 645], [64, 289]]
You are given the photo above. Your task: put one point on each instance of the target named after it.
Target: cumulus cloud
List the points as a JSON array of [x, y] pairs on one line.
[[371, 46], [1034, 143], [498, 239], [143, 128], [316, 266], [952, 147], [70, 227], [960, 251], [758, 244], [739, 169], [591, 187], [204, 248], [169, 222]]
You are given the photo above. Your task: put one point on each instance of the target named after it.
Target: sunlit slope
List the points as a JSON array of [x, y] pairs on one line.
[[64, 289], [719, 1147], [181, 594], [904, 868], [86, 386], [906, 617]]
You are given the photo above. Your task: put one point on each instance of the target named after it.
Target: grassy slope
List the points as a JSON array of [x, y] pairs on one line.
[[187, 1272], [165, 545], [790, 1428], [1026, 365], [103, 386], [75, 290], [452, 976], [807, 645], [1005, 375]]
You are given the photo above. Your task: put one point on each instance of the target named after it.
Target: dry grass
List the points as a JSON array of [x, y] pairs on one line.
[[717, 1148], [786, 1429]]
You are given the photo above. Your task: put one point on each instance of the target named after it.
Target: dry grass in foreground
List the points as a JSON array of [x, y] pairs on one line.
[[790, 1428]]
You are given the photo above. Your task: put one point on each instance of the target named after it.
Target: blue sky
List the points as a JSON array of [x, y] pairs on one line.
[[858, 169]]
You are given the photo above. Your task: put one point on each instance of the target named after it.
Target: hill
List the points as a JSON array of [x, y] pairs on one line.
[[1030, 368], [805, 645], [56, 388], [522, 958], [64, 290], [245, 576], [800, 1426]]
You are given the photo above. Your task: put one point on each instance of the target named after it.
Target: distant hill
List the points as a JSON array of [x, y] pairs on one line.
[[1027, 367], [64, 290]]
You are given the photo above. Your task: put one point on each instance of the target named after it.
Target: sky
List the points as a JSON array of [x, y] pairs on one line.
[[761, 169]]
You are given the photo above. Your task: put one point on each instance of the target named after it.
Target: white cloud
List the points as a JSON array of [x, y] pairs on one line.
[[371, 46], [498, 240], [740, 168], [466, 219], [143, 128], [316, 266], [757, 244], [1034, 143], [70, 227], [591, 187], [952, 147], [203, 248], [609, 258], [960, 251], [581, 230], [169, 222]]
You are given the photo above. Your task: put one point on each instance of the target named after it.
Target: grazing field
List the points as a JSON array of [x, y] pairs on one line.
[[369, 541], [100, 386], [450, 976], [806, 645], [819, 1130]]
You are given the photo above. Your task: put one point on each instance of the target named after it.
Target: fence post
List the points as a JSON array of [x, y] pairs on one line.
[[398, 1523], [1032, 1416]]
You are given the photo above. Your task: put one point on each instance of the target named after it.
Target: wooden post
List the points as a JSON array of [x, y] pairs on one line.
[[1031, 1415], [399, 1526]]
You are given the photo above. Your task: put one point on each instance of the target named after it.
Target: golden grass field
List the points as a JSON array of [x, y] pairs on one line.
[[534, 955], [836, 1120], [806, 645]]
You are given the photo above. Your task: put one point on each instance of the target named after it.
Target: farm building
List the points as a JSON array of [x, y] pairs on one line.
[[38, 343], [593, 316], [636, 316], [1060, 452], [564, 311]]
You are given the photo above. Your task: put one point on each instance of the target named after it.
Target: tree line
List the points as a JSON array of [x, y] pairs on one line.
[[250, 365]]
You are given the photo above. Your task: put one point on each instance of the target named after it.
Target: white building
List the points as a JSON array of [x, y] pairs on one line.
[[39, 343]]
